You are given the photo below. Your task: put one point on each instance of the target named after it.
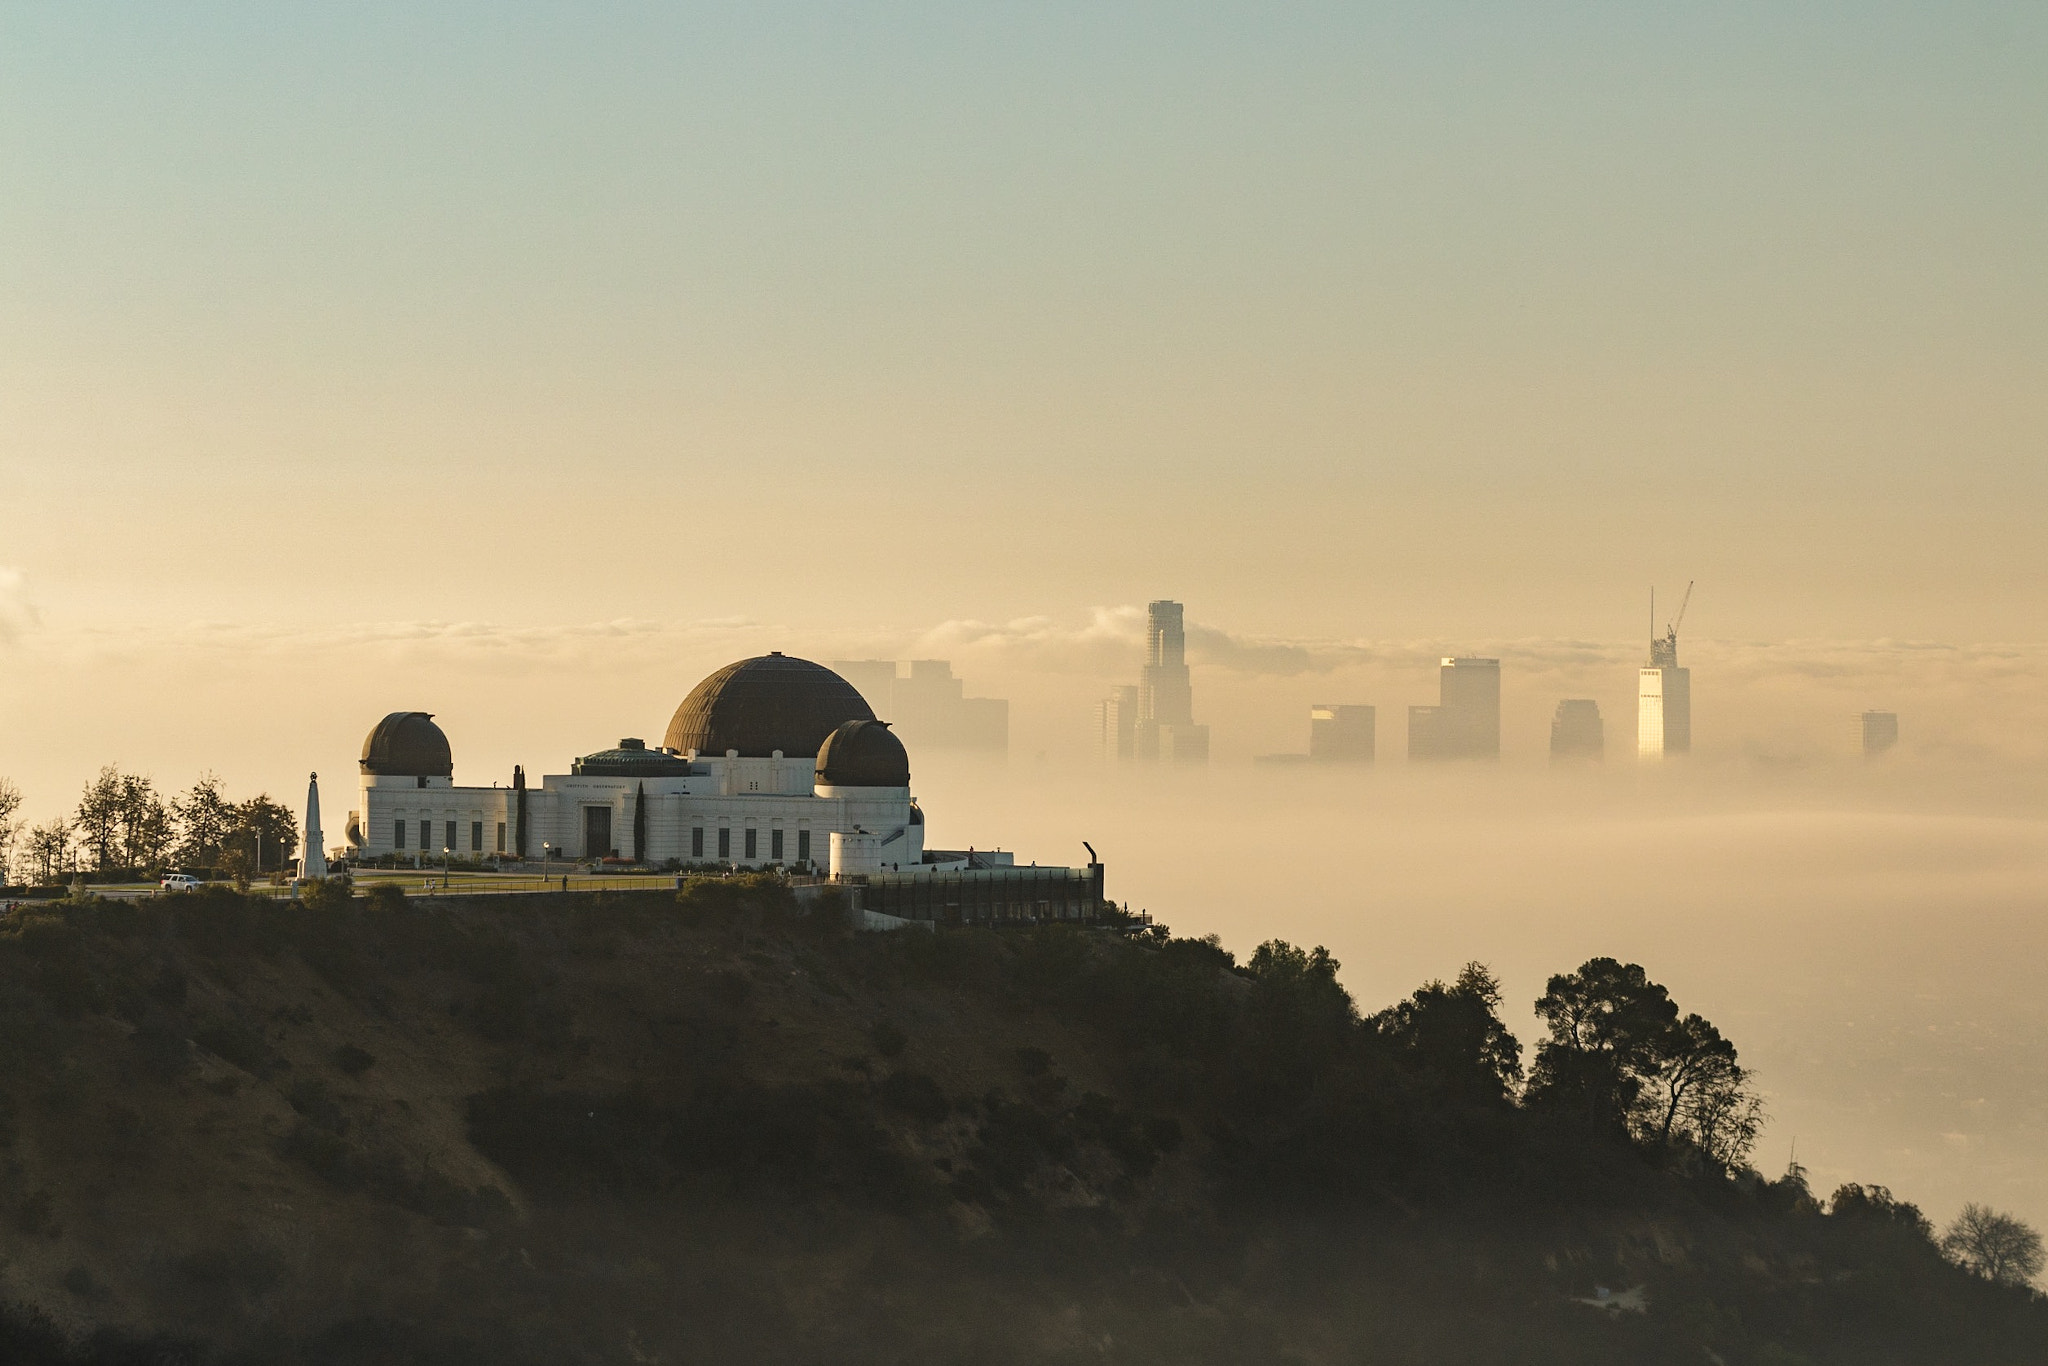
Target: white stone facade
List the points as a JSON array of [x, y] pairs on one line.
[[747, 813]]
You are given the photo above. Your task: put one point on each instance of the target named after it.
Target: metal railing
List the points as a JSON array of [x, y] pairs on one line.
[[431, 883]]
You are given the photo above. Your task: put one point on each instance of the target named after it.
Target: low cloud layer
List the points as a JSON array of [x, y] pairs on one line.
[[17, 615], [239, 694]]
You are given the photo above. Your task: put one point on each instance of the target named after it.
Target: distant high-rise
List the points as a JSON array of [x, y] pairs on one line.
[[1465, 723], [1664, 693], [929, 706], [1341, 734], [874, 679], [1880, 732], [932, 709], [1164, 728], [1576, 731], [1116, 717]]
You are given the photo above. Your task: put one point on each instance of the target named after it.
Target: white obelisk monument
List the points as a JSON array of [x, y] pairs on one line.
[[313, 859]]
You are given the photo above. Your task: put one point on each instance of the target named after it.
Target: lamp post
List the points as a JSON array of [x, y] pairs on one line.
[[547, 853], [444, 867]]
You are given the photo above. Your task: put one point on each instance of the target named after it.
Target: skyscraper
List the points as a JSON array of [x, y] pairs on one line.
[[1664, 694], [932, 709], [929, 706], [1465, 723], [1880, 732], [1576, 731], [1116, 718], [1164, 727], [1340, 734]]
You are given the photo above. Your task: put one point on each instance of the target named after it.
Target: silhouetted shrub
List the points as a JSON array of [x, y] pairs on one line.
[[745, 901], [353, 1060], [237, 1043], [169, 987], [792, 1140], [888, 1037], [311, 1098], [326, 1152], [326, 895], [386, 898], [914, 1094], [1136, 1144], [1015, 1141]]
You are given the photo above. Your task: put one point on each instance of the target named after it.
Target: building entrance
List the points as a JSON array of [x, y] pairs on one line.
[[597, 831]]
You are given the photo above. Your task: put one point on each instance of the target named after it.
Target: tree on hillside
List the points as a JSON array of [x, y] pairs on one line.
[[10, 826], [97, 825], [1298, 1019], [1875, 1205], [1621, 1057], [1722, 1115], [1454, 1035], [1605, 1020], [205, 819], [47, 851], [267, 832], [146, 826], [1300, 987], [1996, 1246], [122, 822], [1687, 1057]]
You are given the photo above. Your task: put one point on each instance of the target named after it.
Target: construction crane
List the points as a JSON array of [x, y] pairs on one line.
[[1683, 604], [1664, 650]]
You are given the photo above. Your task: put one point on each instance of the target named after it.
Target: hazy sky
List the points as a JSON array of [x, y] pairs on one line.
[[1341, 320]]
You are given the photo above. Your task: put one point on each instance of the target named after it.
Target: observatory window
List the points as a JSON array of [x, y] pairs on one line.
[[427, 835], [501, 837], [697, 841], [398, 834], [751, 846], [476, 837], [422, 781], [803, 846], [725, 841], [449, 828], [775, 844]]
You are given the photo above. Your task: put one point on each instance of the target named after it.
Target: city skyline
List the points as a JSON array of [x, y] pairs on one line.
[[1774, 701]]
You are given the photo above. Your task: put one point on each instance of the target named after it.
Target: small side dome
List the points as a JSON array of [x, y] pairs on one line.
[[863, 754], [407, 744]]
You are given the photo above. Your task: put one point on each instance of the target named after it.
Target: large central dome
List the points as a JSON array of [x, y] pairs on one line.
[[758, 706]]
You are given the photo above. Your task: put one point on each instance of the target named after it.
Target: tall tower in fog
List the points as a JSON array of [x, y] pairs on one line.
[[1664, 692], [1168, 697], [1163, 727], [1880, 731], [1576, 731], [1465, 723]]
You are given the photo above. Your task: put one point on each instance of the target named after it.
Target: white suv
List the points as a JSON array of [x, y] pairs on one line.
[[179, 882]]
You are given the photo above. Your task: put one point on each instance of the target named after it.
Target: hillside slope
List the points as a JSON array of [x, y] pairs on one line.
[[651, 1128]]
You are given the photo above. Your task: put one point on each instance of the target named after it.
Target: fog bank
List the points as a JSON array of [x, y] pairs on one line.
[[1869, 937]]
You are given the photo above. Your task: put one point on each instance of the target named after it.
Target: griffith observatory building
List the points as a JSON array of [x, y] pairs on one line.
[[769, 762]]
